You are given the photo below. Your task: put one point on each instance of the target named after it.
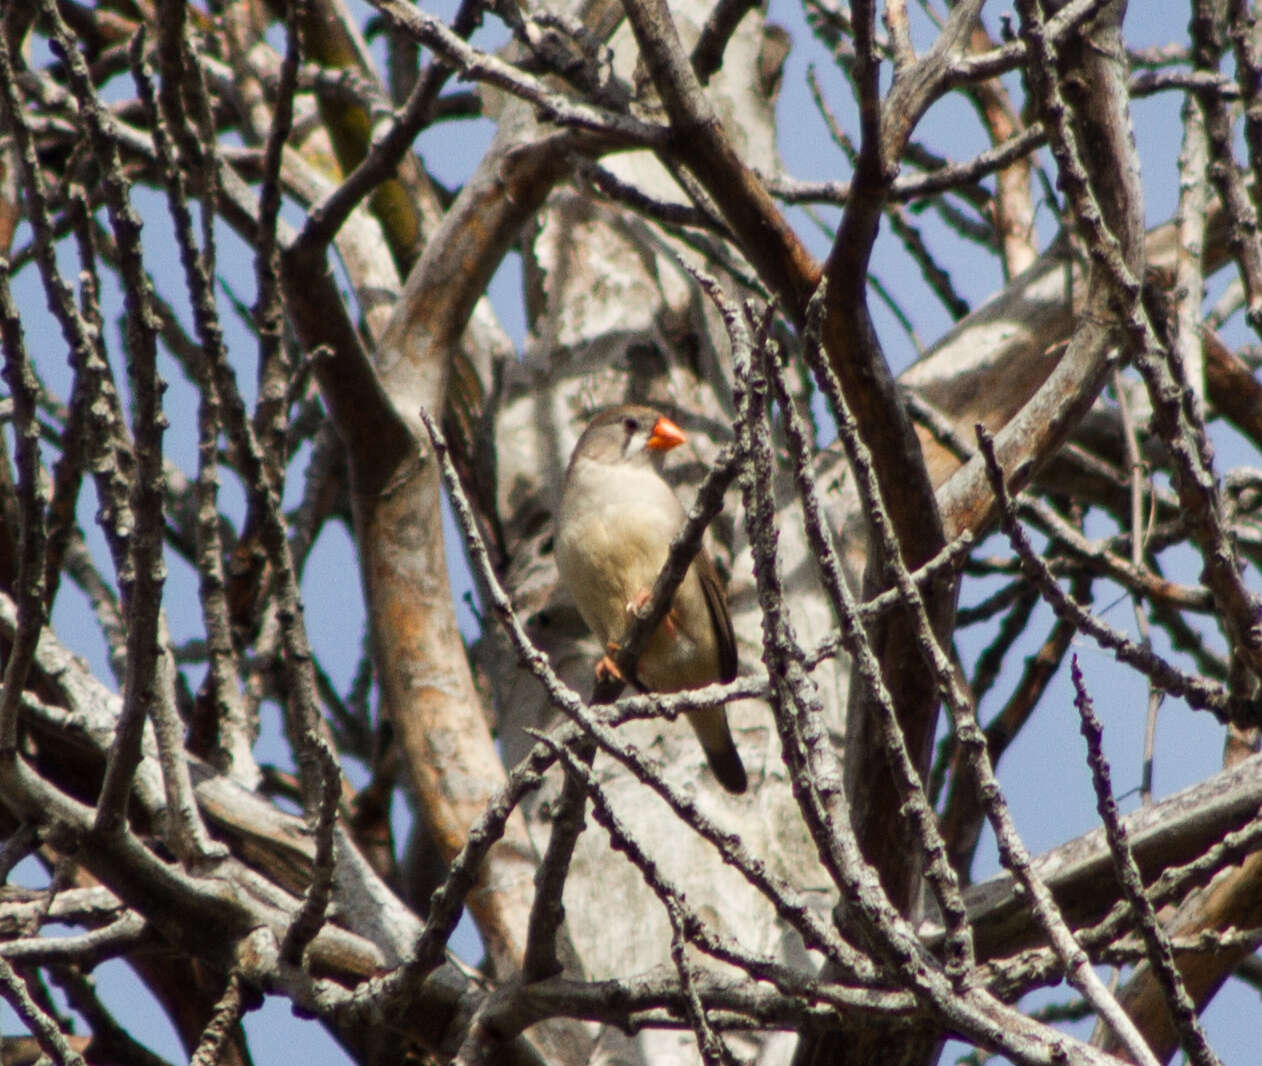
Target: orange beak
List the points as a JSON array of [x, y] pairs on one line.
[[666, 435]]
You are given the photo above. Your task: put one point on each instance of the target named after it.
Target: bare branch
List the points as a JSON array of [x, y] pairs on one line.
[[50, 1037], [1156, 941]]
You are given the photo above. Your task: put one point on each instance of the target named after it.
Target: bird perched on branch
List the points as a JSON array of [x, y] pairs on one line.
[[617, 520]]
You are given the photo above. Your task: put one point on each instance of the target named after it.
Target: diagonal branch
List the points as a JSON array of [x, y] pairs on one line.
[[1156, 940]]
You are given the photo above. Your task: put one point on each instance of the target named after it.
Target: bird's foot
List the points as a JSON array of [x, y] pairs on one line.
[[637, 605], [607, 669], [638, 602]]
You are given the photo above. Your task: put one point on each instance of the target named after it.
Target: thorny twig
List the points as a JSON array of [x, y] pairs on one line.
[[1156, 941], [790, 904]]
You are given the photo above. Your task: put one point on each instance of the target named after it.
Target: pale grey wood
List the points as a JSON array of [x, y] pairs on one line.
[[616, 318]]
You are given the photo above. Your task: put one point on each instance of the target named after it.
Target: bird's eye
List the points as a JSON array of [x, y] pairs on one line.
[[631, 424]]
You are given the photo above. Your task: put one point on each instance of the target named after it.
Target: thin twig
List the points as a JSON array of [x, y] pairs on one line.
[[109, 1038], [790, 905], [32, 498], [547, 912], [185, 829], [697, 931], [481, 66], [234, 731], [1136, 466], [1199, 693], [47, 1032], [914, 803], [144, 575], [1174, 418], [707, 53], [312, 913], [1156, 940], [275, 366], [714, 1052], [223, 1023], [122, 936], [1015, 857]]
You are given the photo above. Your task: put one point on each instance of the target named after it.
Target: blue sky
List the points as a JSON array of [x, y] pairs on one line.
[[1044, 771]]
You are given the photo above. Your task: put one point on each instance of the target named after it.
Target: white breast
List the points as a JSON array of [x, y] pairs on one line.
[[618, 524]]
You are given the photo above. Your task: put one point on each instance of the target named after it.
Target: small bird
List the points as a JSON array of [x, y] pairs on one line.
[[617, 520]]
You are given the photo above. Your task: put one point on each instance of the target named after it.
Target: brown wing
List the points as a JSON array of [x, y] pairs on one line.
[[716, 602]]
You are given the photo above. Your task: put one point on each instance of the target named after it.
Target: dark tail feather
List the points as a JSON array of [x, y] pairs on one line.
[[728, 769], [720, 750]]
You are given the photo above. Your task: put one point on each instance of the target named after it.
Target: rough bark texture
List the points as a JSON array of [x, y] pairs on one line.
[[346, 379]]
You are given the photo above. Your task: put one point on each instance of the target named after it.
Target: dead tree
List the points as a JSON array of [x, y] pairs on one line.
[[242, 314]]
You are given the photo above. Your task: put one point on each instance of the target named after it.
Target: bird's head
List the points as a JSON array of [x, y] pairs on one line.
[[629, 434]]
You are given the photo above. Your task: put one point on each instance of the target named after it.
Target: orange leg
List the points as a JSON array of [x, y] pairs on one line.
[[607, 669]]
